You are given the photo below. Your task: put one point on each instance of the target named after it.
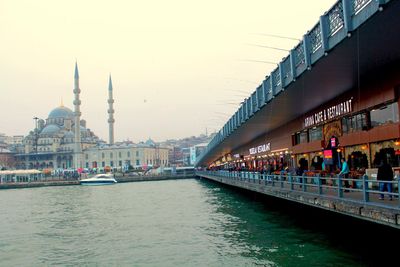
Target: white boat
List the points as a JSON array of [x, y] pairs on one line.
[[99, 179]]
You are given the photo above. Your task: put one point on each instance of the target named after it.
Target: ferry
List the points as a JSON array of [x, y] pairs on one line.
[[99, 179]]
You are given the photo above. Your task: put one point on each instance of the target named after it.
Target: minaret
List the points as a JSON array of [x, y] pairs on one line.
[[110, 112], [77, 115]]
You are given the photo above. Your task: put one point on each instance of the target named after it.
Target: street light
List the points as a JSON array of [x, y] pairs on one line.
[[36, 140]]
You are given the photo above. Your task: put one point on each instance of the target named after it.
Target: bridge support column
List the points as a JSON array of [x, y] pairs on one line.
[[347, 10], [291, 181], [365, 188], [271, 81], [319, 184], [339, 187], [323, 22], [280, 66], [307, 51], [293, 65], [398, 191]]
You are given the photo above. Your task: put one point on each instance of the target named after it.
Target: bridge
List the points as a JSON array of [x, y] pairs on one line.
[[335, 95]]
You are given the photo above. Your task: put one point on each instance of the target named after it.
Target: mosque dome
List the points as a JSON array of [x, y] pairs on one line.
[[50, 129], [61, 112], [150, 142], [69, 134]]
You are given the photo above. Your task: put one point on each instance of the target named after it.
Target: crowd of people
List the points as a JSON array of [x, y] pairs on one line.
[[385, 174]]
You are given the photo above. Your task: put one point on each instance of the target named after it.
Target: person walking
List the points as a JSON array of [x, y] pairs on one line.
[[345, 172], [385, 175]]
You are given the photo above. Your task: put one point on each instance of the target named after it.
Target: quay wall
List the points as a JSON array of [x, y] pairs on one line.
[[120, 179], [382, 215], [38, 184], [145, 178]]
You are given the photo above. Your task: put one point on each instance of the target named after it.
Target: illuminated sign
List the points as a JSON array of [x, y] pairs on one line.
[[329, 113], [328, 154], [333, 142], [260, 149]]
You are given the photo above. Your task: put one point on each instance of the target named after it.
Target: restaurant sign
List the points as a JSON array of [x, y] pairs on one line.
[[260, 149], [329, 113]]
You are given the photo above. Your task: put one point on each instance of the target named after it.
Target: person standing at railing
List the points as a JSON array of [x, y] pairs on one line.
[[385, 174], [299, 173], [269, 169], [345, 173]]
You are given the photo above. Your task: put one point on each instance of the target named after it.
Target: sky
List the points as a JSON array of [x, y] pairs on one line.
[[179, 67]]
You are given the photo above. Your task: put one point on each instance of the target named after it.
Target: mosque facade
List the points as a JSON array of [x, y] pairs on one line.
[[51, 144], [63, 141]]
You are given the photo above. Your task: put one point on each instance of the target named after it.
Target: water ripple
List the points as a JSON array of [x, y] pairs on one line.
[[169, 223]]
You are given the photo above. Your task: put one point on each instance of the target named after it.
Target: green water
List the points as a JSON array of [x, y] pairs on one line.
[[165, 223]]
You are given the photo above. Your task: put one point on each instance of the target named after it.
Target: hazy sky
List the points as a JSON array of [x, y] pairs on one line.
[[178, 66]]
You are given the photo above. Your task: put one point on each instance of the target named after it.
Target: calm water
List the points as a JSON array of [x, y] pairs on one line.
[[166, 223]]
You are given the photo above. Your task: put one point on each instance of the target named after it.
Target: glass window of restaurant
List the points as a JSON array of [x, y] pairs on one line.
[[385, 151], [301, 137], [315, 133], [357, 157], [316, 161], [355, 123], [385, 114]]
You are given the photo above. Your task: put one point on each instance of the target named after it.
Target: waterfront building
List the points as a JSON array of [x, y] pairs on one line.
[[17, 176], [195, 152], [15, 140], [3, 141], [175, 156], [7, 159], [124, 156], [185, 156]]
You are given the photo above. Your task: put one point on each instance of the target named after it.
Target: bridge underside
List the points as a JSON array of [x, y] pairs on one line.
[[371, 51]]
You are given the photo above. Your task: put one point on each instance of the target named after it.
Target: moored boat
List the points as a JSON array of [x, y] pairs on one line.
[[99, 179]]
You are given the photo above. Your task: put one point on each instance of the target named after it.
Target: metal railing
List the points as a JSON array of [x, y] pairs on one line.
[[362, 190]]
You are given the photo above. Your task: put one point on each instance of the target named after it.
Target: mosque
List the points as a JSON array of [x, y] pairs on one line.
[[55, 142], [63, 141]]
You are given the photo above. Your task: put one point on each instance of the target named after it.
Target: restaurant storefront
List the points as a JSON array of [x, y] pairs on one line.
[[361, 125], [364, 130], [269, 154]]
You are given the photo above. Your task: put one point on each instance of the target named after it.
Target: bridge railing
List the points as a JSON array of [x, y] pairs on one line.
[[362, 190]]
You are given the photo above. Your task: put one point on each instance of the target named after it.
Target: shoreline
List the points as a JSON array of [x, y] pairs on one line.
[[120, 179]]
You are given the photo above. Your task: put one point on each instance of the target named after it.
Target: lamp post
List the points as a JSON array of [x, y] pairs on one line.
[[339, 158], [157, 156], [36, 141]]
